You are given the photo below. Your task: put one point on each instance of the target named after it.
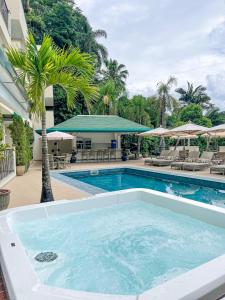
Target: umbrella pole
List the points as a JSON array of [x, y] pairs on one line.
[[162, 143], [177, 142]]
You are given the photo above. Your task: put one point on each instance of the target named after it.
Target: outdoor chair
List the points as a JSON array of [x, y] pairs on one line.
[[112, 154], [163, 155], [52, 163], [173, 155], [219, 158], [100, 155], [218, 169], [106, 155], [92, 155], [193, 156], [85, 155], [200, 164]]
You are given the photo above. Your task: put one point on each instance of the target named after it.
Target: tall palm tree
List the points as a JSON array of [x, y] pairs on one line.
[[116, 72], [39, 68], [196, 95], [165, 98], [93, 46]]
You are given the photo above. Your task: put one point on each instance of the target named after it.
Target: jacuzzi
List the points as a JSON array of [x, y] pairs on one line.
[[127, 245]]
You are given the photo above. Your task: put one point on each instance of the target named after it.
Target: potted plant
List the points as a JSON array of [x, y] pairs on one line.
[[20, 162], [4, 198], [125, 154], [22, 145]]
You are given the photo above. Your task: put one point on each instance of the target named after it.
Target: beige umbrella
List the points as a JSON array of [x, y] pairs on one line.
[[186, 129], [155, 132], [216, 129], [214, 132], [58, 136]]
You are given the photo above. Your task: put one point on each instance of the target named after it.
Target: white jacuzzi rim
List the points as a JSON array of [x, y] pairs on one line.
[[23, 282]]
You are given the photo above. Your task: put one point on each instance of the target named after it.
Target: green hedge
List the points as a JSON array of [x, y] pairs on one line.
[[22, 136]]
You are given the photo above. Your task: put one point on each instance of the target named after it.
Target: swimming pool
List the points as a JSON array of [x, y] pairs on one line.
[[198, 189], [126, 245]]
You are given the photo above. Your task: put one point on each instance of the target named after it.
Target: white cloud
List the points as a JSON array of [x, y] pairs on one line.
[[159, 38]]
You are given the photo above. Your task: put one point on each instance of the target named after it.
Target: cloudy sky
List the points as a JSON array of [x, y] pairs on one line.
[[159, 38]]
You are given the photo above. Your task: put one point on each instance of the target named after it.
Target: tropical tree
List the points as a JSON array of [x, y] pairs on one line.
[[135, 109], [107, 102], [196, 95], [116, 72], [194, 113], [216, 116], [94, 47], [165, 98], [39, 68]]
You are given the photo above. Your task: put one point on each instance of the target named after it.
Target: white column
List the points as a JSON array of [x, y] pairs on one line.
[[119, 141]]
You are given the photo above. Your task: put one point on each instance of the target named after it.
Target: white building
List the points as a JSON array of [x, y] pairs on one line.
[[13, 32]]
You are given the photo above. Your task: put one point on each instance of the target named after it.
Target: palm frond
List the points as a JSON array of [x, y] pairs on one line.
[[100, 33]]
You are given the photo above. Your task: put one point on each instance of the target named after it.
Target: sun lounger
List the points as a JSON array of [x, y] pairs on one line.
[[218, 169], [194, 166], [202, 163], [166, 162], [193, 156], [163, 155]]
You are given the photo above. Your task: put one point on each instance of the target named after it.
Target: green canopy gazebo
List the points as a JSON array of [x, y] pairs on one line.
[[97, 131]]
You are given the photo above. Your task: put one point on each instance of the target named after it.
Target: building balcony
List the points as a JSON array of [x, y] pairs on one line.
[[5, 12], [19, 29]]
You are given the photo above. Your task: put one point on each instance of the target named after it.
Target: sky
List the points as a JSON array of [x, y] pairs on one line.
[[159, 38]]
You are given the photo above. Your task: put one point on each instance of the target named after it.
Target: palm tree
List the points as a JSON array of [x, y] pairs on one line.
[[196, 95], [166, 100], [116, 72], [94, 47], [108, 96], [39, 68]]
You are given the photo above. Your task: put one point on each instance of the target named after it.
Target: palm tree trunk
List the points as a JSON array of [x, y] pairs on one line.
[[26, 6], [46, 193], [162, 112]]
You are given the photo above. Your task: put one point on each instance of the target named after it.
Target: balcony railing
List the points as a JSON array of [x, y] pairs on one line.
[[4, 11], [7, 164]]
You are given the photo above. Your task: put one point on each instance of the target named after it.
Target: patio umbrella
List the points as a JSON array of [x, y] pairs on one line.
[[187, 129], [58, 136], [216, 129], [214, 132], [155, 132]]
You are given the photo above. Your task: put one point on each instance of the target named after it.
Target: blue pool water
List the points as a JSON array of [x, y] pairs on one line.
[[113, 180], [122, 249]]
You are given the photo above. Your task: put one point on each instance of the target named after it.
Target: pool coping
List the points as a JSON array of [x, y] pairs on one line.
[[207, 280], [93, 190]]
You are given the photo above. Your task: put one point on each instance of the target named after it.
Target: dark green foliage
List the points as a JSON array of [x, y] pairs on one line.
[[196, 95], [22, 136], [67, 26], [194, 113], [216, 116], [1, 128]]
